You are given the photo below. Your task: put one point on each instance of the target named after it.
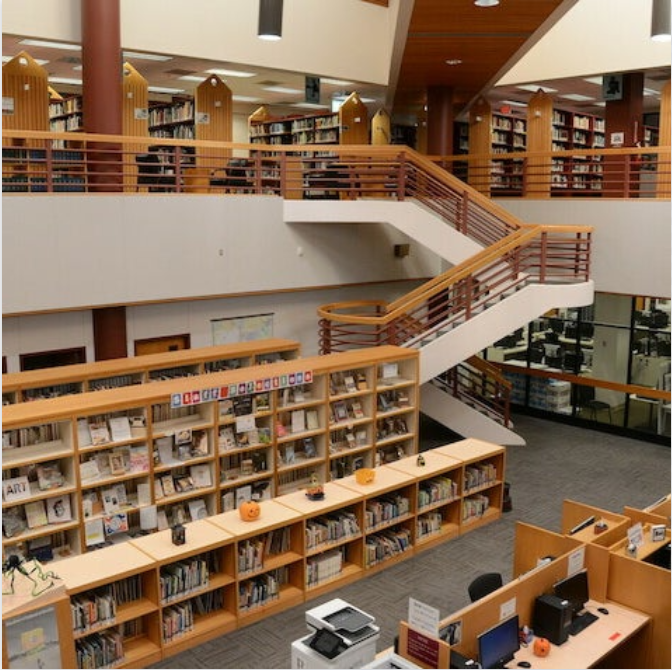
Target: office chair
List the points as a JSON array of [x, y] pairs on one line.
[[484, 584]]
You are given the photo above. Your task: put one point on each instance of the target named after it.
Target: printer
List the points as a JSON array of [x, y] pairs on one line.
[[341, 636]]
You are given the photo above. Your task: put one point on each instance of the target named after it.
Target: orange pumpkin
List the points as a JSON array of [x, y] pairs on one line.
[[542, 647], [249, 510]]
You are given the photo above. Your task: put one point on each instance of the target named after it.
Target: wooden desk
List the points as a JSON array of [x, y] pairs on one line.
[[593, 644]]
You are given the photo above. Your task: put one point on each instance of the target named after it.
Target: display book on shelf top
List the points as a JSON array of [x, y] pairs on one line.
[[148, 456], [231, 572]]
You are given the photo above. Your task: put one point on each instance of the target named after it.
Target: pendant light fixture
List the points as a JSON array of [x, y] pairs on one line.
[[660, 20], [270, 20]]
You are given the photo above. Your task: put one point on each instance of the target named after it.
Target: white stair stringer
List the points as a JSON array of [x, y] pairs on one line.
[[407, 216], [474, 335], [462, 419]]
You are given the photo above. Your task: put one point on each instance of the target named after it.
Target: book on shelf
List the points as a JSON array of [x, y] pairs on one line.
[[357, 410], [226, 407], [115, 523], [243, 493], [36, 514], [119, 461], [40, 549], [228, 501], [199, 445], [227, 438], [361, 437], [280, 429], [262, 402], [340, 411], [143, 494], [351, 440], [201, 475], [13, 521], [289, 456], [111, 502], [89, 470], [164, 446], [161, 519], [167, 485], [94, 532], [183, 436], [83, 433], [15, 489], [103, 461], [158, 488], [309, 447], [148, 517], [183, 484], [312, 419], [298, 421], [178, 514], [58, 509], [120, 428], [138, 459], [100, 433], [350, 384], [197, 509]]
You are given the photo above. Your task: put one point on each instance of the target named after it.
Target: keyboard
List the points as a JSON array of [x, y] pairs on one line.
[[581, 622]]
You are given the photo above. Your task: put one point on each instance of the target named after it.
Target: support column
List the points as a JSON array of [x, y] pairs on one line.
[[440, 117], [624, 115], [101, 90]]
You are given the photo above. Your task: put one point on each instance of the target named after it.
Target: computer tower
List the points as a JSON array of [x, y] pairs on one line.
[[552, 618]]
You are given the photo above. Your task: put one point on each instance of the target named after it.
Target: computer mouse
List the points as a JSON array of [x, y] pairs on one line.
[[603, 610], [524, 664]]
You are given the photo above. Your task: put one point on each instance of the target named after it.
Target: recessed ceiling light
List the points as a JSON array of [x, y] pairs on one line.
[[336, 82], [577, 97], [594, 80], [142, 56], [651, 91], [283, 89], [51, 45], [191, 77], [454, 61], [244, 98], [65, 80], [486, 3], [308, 105], [534, 88], [514, 103], [222, 72], [39, 61], [162, 89]]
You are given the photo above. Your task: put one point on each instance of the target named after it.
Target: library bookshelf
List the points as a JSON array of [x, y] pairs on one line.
[[160, 598], [117, 372], [83, 470]]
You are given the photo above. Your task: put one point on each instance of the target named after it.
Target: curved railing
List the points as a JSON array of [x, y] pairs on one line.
[[530, 255]]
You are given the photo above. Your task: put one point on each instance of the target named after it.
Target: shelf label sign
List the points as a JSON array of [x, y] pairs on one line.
[[199, 396], [16, 488], [7, 105]]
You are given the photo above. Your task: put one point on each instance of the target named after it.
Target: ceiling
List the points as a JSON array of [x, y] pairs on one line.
[[486, 41]]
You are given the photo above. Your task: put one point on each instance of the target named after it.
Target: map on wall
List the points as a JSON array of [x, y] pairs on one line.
[[242, 328]]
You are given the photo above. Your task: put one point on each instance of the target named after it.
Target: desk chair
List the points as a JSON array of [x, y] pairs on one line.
[[484, 584], [585, 399]]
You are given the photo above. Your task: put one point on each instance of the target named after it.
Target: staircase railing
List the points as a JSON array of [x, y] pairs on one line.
[[481, 385], [530, 255]]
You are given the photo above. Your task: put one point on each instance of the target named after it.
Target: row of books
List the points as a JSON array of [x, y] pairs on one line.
[[100, 650], [261, 590], [251, 556], [344, 382], [95, 608], [333, 528], [429, 524], [127, 590], [55, 391], [479, 475], [386, 544], [297, 421], [344, 438], [164, 412], [223, 365], [325, 566], [230, 440], [180, 578], [474, 506], [342, 411], [177, 620], [436, 490], [118, 381], [114, 462], [31, 435], [383, 510]]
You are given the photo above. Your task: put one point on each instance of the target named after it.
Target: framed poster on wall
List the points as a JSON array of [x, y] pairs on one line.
[[242, 328]]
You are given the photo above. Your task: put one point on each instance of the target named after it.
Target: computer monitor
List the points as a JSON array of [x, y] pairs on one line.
[[497, 645], [574, 589]]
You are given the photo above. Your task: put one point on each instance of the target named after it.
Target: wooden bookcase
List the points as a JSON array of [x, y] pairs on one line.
[[118, 372], [83, 467], [164, 598]]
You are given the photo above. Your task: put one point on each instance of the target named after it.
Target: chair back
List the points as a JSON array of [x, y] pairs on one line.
[[484, 584]]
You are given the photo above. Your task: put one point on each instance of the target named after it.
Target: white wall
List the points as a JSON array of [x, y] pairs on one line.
[[631, 240], [347, 39]]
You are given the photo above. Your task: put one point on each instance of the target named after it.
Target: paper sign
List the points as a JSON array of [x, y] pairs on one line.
[[423, 617]]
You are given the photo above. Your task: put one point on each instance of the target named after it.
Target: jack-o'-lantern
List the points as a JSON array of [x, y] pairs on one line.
[[365, 475], [542, 647], [249, 510]]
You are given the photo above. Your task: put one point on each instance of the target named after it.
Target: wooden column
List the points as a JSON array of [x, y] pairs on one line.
[[101, 90], [663, 180], [135, 119], [380, 128], [539, 138], [440, 118], [480, 144]]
